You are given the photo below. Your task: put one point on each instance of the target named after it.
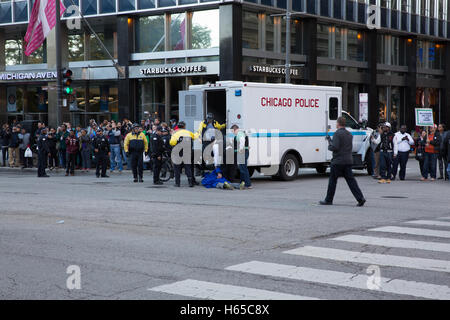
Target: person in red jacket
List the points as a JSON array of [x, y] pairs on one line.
[[72, 147]]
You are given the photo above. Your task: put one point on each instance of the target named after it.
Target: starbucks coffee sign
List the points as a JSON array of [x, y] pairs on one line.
[[173, 70]]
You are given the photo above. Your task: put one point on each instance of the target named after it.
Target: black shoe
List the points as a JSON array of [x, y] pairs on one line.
[[105, 176], [44, 176], [440, 178], [135, 180], [325, 203], [140, 180], [158, 183], [177, 185], [97, 175], [196, 183], [361, 203]]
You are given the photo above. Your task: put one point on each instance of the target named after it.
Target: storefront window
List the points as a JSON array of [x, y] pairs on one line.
[[76, 47], [96, 50], [13, 52], [355, 46], [176, 84], [338, 43], [178, 31], [294, 36], [205, 29], [151, 95], [150, 34], [36, 100], [250, 30], [270, 33], [323, 40]]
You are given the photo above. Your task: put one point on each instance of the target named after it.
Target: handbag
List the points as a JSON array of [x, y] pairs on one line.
[[28, 153], [420, 156]]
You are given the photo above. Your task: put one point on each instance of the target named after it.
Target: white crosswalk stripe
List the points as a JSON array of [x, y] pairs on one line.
[[396, 243], [372, 258], [430, 223], [217, 291], [358, 281], [367, 282], [414, 231]]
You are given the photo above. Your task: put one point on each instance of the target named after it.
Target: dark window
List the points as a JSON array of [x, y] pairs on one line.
[[414, 23], [404, 21], [361, 13], [324, 8], [333, 106], [394, 19], [337, 9], [311, 7], [350, 8]]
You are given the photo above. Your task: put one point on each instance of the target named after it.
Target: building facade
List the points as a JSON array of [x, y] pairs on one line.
[[167, 45]]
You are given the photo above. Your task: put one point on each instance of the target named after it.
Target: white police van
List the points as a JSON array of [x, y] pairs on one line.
[[287, 124]]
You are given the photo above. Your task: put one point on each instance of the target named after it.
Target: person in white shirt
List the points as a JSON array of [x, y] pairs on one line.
[[402, 146]]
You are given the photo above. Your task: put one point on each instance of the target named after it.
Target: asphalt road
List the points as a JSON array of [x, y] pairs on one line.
[[137, 241]]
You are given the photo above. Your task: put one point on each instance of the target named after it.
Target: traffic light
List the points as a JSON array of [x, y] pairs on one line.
[[67, 81]]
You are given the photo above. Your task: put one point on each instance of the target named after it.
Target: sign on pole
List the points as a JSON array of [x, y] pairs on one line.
[[363, 106], [424, 117]]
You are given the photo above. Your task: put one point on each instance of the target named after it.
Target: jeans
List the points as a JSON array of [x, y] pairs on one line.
[[115, 157], [53, 159], [430, 164], [4, 155], [442, 160], [376, 168], [242, 164], [86, 158], [125, 159], [372, 162], [62, 158], [71, 160], [385, 165], [448, 170], [402, 160], [342, 170]]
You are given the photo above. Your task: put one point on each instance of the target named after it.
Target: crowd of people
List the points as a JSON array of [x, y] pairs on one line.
[[390, 152], [116, 144]]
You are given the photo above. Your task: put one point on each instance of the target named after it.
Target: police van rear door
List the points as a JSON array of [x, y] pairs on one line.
[[191, 107]]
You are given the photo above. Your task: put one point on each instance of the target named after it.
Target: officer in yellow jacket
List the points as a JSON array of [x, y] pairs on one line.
[[135, 145], [177, 138], [207, 132]]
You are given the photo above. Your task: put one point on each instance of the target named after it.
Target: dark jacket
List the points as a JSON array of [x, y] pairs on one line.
[[5, 135], [14, 141], [101, 143], [61, 137], [156, 145], [85, 142], [42, 145], [387, 142], [446, 144], [436, 141], [51, 142], [114, 136], [442, 148], [342, 146]]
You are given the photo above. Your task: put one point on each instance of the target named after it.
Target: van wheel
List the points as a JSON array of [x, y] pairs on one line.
[[321, 169], [288, 168]]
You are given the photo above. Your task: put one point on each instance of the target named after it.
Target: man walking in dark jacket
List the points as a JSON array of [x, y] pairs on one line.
[[341, 164]]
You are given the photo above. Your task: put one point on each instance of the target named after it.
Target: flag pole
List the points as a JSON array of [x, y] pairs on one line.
[[58, 62]]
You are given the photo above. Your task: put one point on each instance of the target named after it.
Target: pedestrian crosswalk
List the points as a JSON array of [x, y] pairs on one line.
[[408, 257]]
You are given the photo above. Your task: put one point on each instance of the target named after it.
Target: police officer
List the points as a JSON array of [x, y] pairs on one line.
[[102, 152], [157, 149], [43, 153], [180, 137], [135, 145], [208, 131]]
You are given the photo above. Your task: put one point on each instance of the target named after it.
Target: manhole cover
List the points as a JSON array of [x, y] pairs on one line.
[[394, 197]]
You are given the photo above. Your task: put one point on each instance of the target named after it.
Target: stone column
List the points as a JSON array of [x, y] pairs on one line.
[[411, 83], [125, 86], [230, 16], [371, 79]]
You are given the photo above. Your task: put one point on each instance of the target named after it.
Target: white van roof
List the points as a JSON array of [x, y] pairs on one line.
[[238, 84]]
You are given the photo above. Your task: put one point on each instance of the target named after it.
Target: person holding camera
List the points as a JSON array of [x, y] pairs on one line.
[[402, 146], [114, 138]]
